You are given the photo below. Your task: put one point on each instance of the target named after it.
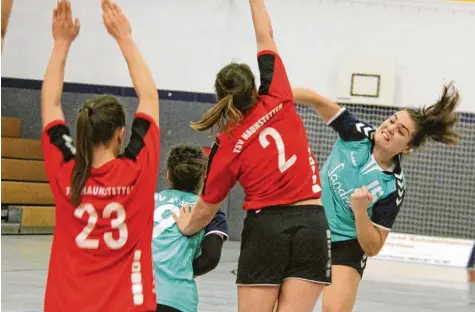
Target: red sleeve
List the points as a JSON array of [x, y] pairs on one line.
[[221, 174], [274, 81], [58, 147], [144, 144]]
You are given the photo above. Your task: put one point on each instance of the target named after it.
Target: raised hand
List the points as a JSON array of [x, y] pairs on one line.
[[64, 29], [115, 21]]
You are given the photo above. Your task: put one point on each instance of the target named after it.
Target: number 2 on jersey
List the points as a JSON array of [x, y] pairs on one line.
[[283, 163], [117, 223]]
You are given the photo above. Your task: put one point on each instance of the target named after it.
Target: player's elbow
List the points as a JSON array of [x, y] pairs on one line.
[[212, 262], [206, 211], [205, 264], [265, 35], [265, 41], [149, 96], [372, 250]]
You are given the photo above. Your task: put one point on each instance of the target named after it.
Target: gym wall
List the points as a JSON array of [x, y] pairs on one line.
[[185, 53], [440, 180], [186, 42]]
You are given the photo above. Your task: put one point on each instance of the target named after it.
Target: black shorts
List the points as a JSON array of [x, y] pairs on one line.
[[285, 242], [349, 253], [165, 308]]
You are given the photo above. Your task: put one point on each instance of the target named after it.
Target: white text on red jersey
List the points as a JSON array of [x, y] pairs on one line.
[[255, 127]]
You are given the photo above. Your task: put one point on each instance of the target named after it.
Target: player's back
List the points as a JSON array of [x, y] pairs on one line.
[[101, 252], [267, 151], [173, 253], [276, 160]]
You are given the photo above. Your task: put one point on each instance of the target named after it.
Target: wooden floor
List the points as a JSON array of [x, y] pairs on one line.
[[387, 286]]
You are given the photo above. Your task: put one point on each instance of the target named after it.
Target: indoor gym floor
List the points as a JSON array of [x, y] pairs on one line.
[[387, 286]]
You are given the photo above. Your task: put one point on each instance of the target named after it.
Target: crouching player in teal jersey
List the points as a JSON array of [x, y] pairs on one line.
[[363, 185], [177, 258]]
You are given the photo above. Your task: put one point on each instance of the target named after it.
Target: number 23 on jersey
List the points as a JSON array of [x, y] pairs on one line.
[[117, 223]]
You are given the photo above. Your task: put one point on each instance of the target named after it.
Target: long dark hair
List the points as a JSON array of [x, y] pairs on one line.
[[98, 120], [437, 121], [236, 91]]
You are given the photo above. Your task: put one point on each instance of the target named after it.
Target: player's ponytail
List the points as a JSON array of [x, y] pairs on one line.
[[97, 124], [437, 121], [236, 91], [84, 153]]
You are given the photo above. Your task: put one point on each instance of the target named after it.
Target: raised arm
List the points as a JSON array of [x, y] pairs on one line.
[[6, 9], [326, 108], [64, 33], [118, 27], [262, 26]]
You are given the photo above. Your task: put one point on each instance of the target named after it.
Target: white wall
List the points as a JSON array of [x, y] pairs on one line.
[[187, 41]]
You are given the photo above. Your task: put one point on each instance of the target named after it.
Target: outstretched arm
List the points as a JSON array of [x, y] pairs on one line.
[[64, 33], [190, 221], [326, 108], [262, 26], [118, 27]]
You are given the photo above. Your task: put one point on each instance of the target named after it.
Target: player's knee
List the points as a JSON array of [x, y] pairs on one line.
[[335, 307], [471, 276]]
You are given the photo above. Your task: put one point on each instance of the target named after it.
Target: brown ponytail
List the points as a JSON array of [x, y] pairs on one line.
[[219, 115], [436, 122], [84, 150], [97, 122], [236, 91]]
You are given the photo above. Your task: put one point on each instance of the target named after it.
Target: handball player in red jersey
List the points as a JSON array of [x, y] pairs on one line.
[[101, 254], [261, 142]]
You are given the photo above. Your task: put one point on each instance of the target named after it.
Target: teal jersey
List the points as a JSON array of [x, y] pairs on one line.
[[173, 253], [351, 165]]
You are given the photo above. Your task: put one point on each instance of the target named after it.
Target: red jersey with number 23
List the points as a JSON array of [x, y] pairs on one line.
[[101, 254], [268, 151]]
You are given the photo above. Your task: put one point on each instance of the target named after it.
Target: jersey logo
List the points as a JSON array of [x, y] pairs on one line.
[[68, 142], [353, 159], [61, 138], [399, 187], [363, 261], [366, 130], [376, 189]]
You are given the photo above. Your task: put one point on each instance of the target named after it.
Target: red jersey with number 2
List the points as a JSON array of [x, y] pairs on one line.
[[268, 152], [101, 254]]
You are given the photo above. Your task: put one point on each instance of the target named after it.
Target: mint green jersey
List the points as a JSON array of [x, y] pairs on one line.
[[173, 253], [351, 165]]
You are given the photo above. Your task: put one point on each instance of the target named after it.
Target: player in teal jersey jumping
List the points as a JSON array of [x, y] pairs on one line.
[[363, 185], [177, 258]]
